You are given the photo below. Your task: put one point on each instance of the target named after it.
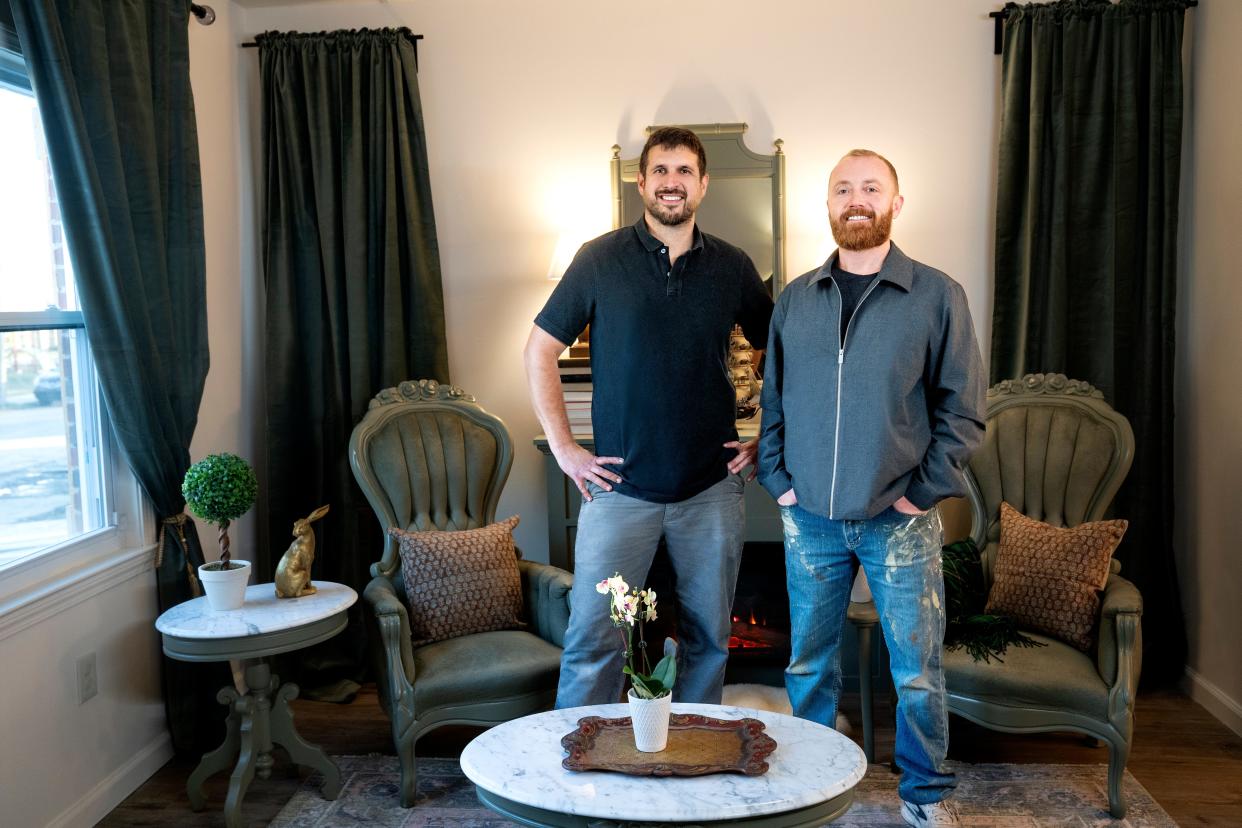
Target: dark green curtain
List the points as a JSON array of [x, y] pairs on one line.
[[1086, 247], [9, 45], [354, 298], [112, 79]]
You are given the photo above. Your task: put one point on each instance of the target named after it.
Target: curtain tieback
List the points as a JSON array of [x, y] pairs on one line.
[[178, 521]]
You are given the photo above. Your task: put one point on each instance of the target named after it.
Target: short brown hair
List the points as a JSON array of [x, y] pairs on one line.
[[866, 153], [671, 138]]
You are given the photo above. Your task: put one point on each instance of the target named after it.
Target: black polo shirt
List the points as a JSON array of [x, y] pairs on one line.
[[662, 394]]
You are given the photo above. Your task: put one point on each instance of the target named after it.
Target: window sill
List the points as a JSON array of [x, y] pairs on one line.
[[52, 579], [74, 582]]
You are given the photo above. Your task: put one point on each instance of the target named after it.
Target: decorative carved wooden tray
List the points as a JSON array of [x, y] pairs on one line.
[[697, 745]]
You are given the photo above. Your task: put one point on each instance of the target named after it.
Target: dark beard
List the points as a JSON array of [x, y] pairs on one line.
[[852, 237], [661, 213]]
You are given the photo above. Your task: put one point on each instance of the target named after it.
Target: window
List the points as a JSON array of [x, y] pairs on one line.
[[55, 470]]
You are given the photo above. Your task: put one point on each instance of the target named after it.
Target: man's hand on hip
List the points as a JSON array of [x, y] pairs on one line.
[[904, 506], [582, 466], [746, 453], [787, 499]]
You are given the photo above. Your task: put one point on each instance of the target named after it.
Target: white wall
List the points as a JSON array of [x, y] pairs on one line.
[[229, 418], [524, 100], [1208, 445], [64, 763]]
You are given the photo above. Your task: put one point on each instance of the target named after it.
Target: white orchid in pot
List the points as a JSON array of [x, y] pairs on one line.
[[651, 690]]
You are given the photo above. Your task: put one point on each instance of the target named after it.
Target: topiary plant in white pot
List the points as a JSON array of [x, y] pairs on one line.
[[219, 489]]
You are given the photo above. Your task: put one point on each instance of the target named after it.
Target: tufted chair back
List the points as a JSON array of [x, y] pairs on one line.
[[1054, 450], [427, 456]]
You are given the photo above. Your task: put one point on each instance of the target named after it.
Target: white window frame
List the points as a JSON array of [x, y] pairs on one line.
[[99, 554], [95, 559], [57, 576]]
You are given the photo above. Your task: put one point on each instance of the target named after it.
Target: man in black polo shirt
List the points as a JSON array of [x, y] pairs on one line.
[[661, 298]]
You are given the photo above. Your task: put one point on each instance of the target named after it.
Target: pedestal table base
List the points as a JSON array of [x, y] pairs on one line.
[[257, 721]]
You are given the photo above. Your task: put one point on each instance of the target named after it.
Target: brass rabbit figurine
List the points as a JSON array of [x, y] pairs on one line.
[[293, 573]]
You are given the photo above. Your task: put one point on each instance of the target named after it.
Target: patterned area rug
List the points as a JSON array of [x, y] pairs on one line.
[[988, 796]]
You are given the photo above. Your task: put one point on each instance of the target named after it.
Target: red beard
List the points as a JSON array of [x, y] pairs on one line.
[[862, 235]]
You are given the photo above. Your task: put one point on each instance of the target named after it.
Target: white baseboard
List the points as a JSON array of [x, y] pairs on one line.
[[99, 801], [1214, 700]]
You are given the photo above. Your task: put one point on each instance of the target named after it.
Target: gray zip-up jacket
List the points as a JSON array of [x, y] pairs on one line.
[[894, 408]]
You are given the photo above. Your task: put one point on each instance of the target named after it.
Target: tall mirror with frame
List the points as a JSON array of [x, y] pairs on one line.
[[745, 202]]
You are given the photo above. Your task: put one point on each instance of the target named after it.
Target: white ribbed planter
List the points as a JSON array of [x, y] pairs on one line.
[[650, 721], [225, 588]]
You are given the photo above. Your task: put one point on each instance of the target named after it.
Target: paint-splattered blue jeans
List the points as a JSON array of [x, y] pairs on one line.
[[901, 556]]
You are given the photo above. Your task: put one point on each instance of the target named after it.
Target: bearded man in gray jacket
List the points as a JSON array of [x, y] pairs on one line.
[[873, 402]]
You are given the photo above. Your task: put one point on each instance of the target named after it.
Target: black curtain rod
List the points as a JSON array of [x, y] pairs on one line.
[[250, 44], [998, 31], [206, 15]]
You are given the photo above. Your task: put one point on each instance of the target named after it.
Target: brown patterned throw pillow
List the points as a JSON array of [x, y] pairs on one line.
[[1049, 579], [463, 582]]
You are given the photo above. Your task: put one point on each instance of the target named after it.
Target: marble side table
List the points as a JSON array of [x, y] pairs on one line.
[[516, 769], [264, 626]]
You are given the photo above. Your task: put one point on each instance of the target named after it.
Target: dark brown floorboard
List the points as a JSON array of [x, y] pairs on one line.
[[1190, 762]]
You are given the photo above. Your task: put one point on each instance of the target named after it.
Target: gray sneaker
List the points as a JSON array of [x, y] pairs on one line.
[[935, 815]]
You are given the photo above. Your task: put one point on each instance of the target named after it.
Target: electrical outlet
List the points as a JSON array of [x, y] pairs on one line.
[[88, 678]]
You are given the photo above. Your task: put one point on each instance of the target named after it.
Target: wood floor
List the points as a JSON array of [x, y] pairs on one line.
[[1189, 762]]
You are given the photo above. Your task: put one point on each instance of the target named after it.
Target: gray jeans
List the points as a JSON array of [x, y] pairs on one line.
[[620, 534]]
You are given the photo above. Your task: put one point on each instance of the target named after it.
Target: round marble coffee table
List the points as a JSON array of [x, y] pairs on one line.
[[516, 769], [264, 626]]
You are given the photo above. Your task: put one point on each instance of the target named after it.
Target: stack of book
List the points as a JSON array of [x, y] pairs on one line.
[[576, 383]]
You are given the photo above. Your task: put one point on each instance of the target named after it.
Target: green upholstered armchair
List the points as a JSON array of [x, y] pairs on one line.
[[428, 457], [1056, 452]]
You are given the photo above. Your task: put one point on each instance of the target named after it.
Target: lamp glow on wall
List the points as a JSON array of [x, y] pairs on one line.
[[566, 246]]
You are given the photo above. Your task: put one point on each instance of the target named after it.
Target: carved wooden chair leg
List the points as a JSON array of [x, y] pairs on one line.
[[892, 706], [1118, 753], [862, 615], [409, 765], [864, 690]]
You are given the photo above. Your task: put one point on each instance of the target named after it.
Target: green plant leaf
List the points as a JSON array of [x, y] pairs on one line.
[[662, 678], [984, 635], [666, 671], [658, 689], [639, 683]]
